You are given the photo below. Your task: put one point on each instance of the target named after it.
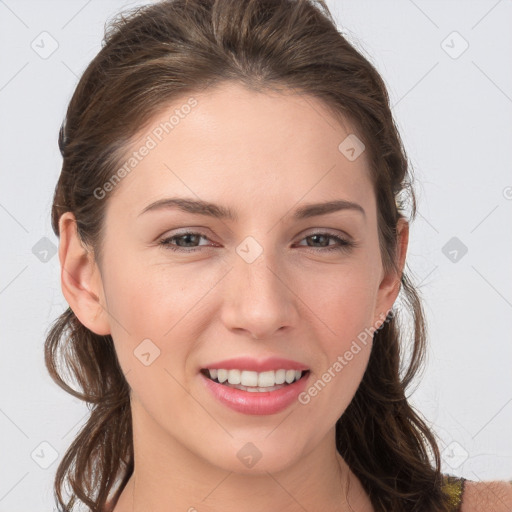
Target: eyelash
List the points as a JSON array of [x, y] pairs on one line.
[[344, 245]]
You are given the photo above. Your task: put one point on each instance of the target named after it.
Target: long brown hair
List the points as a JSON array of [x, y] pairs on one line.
[[152, 55]]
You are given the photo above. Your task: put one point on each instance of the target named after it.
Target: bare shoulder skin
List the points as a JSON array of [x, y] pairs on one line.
[[493, 496]]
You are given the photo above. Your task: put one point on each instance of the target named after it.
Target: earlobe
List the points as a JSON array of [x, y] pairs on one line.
[[390, 285], [80, 278]]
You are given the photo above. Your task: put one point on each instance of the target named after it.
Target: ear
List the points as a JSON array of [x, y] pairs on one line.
[[80, 278], [390, 284]]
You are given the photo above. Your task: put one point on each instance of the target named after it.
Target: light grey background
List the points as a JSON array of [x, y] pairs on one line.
[[454, 110]]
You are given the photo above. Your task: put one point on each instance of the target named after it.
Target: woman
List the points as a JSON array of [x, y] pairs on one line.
[[231, 213]]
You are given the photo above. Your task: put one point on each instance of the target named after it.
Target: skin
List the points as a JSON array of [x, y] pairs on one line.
[[262, 155], [494, 496]]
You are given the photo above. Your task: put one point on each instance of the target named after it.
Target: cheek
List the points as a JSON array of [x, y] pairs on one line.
[[342, 297], [154, 309], [342, 307], [147, 298], [331, 390]]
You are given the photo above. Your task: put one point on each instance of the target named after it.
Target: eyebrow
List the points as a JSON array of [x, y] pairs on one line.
[[201, 207]]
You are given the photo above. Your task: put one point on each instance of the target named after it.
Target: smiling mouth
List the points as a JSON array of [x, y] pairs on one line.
[[251, 381]]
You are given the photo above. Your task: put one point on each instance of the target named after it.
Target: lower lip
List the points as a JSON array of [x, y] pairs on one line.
[[249, 402]]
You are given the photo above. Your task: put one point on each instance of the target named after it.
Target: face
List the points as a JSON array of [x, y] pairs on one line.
[[267, 282]]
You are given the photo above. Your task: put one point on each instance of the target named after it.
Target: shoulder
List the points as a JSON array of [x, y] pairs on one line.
[[492, 496]]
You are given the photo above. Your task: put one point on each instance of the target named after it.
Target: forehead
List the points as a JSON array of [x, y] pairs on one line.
[[245, 147]]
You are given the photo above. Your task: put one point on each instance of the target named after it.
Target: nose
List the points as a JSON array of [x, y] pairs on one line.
[[258, 299]]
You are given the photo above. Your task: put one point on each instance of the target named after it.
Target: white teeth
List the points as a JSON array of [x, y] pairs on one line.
[[280, 376], [234, 376], [247, 378], [254, 389], [267, 379], [290, 376], [222, 375]]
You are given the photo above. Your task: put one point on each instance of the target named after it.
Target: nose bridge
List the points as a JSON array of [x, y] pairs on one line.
[[259, 275], [257, 279], [258, 299]]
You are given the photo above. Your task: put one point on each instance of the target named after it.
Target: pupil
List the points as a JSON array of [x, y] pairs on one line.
[[187, 237], [319, 236]]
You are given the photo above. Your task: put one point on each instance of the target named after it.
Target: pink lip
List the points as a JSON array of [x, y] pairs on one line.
[[248, 363], [248, 402]]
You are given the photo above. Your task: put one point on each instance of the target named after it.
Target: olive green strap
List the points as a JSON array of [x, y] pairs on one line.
[[454, 487]]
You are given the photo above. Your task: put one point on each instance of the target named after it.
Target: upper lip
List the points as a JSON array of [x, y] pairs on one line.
[[257, 365]]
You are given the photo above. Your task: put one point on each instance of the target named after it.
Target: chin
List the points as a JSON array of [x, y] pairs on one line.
[[255, 458]]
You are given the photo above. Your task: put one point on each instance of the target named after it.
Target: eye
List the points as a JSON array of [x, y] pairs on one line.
[[192, 237], [187, 236], [341, 243]]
